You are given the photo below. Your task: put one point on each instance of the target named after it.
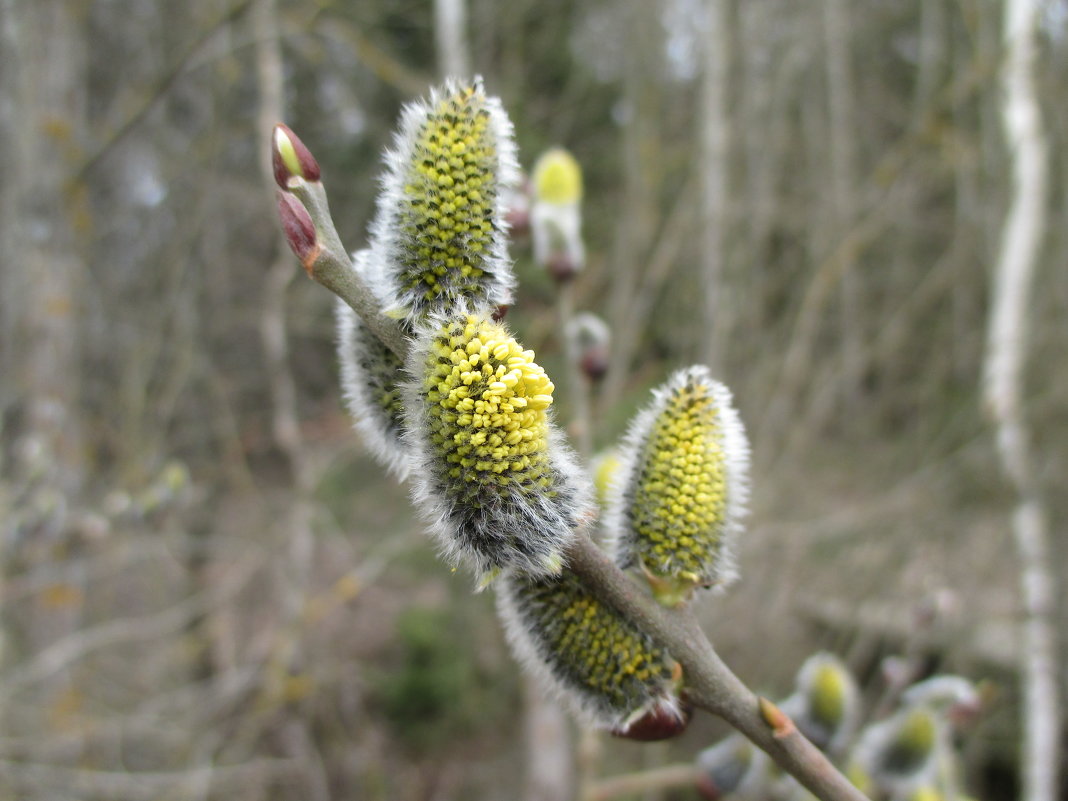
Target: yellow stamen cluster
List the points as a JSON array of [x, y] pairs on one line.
[[488, 402], [446, 212], [588, 647], [678, 501], [500, 490]]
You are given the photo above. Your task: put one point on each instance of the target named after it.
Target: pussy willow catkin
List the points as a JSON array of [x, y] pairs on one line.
[[679, 497], [490, 472], [610, 673], [439, 227]]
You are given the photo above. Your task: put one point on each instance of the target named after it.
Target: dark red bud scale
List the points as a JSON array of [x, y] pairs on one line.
[[299, 229], [660, 723], [290, 158]]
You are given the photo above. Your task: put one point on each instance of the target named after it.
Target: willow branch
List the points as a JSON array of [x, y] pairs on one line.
[[327, 261], [710, 684]]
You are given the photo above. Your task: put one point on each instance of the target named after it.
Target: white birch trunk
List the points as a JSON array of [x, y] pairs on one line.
[[1006, 351]]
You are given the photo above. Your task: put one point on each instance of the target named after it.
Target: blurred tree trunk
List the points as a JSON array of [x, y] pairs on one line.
[[42, 214], [714, 166], [640, 168], [43, 217], [1008, 336], [843, 201], [295, 572], [450, 35]]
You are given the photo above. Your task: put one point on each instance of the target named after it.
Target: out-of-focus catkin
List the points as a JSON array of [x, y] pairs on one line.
[[556, 214]]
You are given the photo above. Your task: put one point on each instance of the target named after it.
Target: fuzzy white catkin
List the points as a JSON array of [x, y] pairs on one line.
[[679, 497], [594, 660], [556, 211], [826, 703], [490, 472], [440, 229]]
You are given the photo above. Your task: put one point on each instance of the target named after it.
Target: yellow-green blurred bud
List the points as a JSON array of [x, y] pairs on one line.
[[605, 467], [926, 793], [609, 672], [913, 743], [683, 487], [902, 751], [500, 489], [825, 706], [556, 215], [557, 178]]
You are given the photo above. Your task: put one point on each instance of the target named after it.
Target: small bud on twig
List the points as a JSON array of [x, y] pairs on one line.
[[659, 723], [290, 158], [299, 230], [779, 721]]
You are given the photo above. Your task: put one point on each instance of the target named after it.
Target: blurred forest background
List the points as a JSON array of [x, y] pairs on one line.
[[209, 590]]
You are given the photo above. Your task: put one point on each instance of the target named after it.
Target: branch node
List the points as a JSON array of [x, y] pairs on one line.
[[781, 724]]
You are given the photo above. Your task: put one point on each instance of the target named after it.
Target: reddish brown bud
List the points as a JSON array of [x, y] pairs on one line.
[[299, 229], [517, 209], [562, 267], [500, 312], [707, 788], [518, 220], [594, 362], [290, 158], [660, 723]]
